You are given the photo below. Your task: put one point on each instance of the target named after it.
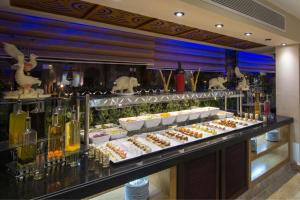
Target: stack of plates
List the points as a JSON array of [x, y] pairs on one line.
[[137, 189]]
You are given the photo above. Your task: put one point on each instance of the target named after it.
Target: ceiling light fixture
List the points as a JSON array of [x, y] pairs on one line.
[[179, 14], [219, 25], [248, 34], [283, 44]]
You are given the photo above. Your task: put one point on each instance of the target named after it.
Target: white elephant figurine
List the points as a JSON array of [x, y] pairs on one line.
[[125, 83], [243, 85], [217, 83]]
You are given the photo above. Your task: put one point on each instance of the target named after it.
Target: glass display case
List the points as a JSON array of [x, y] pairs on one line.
[[268, 152]]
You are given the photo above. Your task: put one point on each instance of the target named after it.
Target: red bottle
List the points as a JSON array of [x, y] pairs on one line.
[[179, 79]]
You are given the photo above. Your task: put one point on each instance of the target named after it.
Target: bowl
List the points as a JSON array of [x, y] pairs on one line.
[[151, 120], [115, 133], [212, 110], [193, 114], [181, 116], [167, 118], [131, 123], [98, 137]]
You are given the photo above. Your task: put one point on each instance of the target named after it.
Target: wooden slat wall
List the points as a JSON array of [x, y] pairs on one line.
[[53, 38], [193, 56], [58, 39], [251, 62]]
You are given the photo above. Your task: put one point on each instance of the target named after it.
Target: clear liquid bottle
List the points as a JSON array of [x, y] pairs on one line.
[[38, 120], [16, 125], [27, 150], [61, 114], [267, 107], [257, 109], [55, 139], [72, 134]]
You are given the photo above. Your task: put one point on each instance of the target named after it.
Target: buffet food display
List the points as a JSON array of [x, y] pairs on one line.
[[154, 120], [135, 146]]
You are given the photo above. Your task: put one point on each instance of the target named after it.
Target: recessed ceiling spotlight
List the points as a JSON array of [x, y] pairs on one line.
[[268, 39], [283, 44], [248, 34], [179, 14], [219, 25]]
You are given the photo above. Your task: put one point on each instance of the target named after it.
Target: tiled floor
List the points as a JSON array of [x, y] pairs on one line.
[[290, 190]]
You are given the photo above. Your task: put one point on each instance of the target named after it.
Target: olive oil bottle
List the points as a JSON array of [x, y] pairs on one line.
[[257, 108], [16, 125], [72, 140], [55, 139], [26, 152]]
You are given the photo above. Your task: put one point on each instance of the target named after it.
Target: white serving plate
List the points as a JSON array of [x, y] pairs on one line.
[[134, 152]]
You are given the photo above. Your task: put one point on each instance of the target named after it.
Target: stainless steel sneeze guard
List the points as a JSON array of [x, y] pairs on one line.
[[121, 101]]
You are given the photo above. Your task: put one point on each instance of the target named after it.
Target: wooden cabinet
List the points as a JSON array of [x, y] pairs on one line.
[[198, 178], [222, 174]]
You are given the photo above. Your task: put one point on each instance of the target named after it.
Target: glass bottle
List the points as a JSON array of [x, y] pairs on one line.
[[72, 141], [180, 79], [61, 114], [257, 109], [267, 106], [27, 151], [55, 139], [16, 125], [38, 120]]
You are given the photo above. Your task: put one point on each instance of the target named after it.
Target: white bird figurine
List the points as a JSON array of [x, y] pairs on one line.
[[238, 73], [24, 81], [14, 52]]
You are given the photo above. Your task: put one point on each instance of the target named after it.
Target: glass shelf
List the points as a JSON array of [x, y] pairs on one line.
[[264, 165], [264, 146], [121, 101]]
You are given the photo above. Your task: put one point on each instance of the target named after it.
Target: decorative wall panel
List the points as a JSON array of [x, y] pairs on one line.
[[164, 27], [72, 8], [199, 35], [118, 17]]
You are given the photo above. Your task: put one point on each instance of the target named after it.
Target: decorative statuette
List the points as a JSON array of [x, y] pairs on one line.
[[217, 83], [244, 83], [194, 80], [125, 83], [24, 81]]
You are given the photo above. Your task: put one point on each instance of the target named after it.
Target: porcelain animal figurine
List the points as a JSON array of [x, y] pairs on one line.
[[217, 83], [243, 83], [25, 82], [125, 83], [14, 52]]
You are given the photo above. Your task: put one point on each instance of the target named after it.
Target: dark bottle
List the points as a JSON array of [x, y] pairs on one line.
[[38, 120], [180, 79]]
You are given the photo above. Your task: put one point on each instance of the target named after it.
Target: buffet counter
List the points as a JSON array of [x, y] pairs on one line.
[[89, 179]]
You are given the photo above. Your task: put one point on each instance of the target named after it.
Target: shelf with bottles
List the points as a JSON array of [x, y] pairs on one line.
[[47, 123]]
